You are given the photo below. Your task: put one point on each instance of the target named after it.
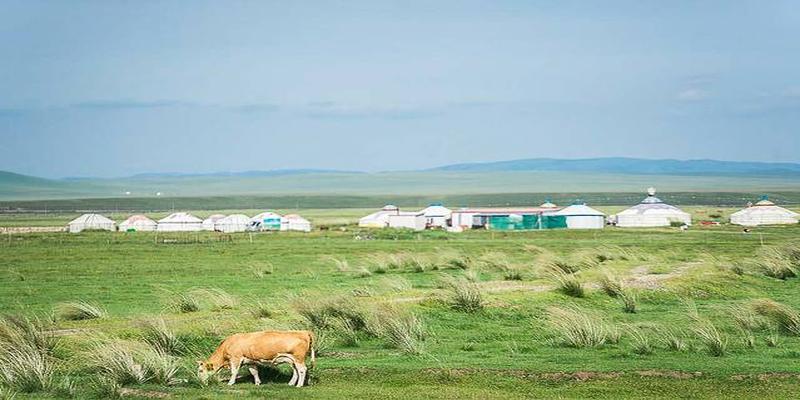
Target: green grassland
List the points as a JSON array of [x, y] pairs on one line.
[[509, 348], [399, 184]]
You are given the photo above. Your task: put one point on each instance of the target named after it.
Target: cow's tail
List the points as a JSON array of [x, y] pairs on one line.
[[313, 351]]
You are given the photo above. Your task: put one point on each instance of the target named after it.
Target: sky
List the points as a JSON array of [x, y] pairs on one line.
[[115, 88]]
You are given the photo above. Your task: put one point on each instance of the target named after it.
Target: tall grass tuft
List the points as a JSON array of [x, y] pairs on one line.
[[26, 362], [611, 285], [577, 328], [163, 340], [402, 330], [321, 314], [217, 298], [628, 297], [780, 263], [259, 271], [708, 333], [641, 342], [782, 315], [79, 310], [184, 302], [673, 340], [260, 310], [125, 363], [512, 274], [465, 295], [566, 283]]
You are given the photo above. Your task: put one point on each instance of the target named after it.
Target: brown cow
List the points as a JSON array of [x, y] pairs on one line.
[[265, 347]]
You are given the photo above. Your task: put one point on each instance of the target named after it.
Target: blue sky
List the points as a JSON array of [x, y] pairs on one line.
[[111, 88]]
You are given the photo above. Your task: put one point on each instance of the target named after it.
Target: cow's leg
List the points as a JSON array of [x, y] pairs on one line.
[[295, 375], [235, 363], [254, 371], [301, 374]]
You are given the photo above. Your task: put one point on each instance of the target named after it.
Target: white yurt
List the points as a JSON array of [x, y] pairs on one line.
[[91, 221], [436, 215], [581, 216], [137, 223], [232, 223], [294, 222], [180, 222], [548, 204], [209, 224], [266, 221], [379, 219], [652, 212], [764, 212]]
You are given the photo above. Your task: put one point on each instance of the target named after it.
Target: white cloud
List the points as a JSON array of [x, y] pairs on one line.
[[693, 94]]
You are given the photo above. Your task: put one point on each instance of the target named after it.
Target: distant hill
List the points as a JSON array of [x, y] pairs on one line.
[[519, 176], [620, 165]]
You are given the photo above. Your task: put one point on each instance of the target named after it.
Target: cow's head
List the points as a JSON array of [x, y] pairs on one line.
[[205, 370]]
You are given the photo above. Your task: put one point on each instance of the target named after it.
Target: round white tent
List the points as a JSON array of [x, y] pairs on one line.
[[233, 223], [209, 224], [436, 215], [91, 221], [294, 222], [581, 216], [764, 212], [652, 212], [180, 222], [137, 223], [267, 221]]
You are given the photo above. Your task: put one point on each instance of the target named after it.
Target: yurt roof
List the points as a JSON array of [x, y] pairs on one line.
[[390, 207], [760, 209], [180, 217], [215, 217], [652, 205], [235, 219], [91, 219], [266, 214], [133, 219], [548, 204], [579, 210], [436, 211], [294, 217]]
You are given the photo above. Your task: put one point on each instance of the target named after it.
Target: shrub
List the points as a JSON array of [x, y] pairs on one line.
[[577, 328], [566, 283], [628, 298], [784, 316], [465, 296], [611, 285], [79, 310], [161, 338]]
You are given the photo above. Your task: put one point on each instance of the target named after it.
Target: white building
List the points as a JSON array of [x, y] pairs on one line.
[[378, 219], [652, 212], [180, 222], [407, 219], [580, 216], [764, 212], [436, 215], [209, 224], [294, 222], [137, 223], [232, 223], [91, 221]]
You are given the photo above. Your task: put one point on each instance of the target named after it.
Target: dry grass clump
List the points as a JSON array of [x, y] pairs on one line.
[[125, 362], [780, 263], [217, 298], [395, 283], [321, 314], [340, 264], [161, 338], [455, 259], [260, 310], [641, 342], [512, 274], [611, 285], [26, 361], [628, 297], [400, 329], [261, 270], [577, 327], [79, 310], [712, 337], [673, 340], [566, 283], [786, 318], [464, 295], [183, 302]]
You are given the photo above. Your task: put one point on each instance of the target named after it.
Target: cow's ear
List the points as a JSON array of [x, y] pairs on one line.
[[200, 363]]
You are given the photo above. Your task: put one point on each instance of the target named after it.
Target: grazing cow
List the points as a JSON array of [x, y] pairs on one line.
[[265, 347]]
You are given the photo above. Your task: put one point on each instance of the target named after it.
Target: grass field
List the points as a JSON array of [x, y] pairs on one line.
[[418, 340]]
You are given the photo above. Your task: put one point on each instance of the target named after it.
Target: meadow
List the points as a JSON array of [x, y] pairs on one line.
[[659, 313]]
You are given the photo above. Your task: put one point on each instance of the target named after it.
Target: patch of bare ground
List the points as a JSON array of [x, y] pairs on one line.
[[486, 287], [150, 394], [669, 374], [765, 376], [642, 278]]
